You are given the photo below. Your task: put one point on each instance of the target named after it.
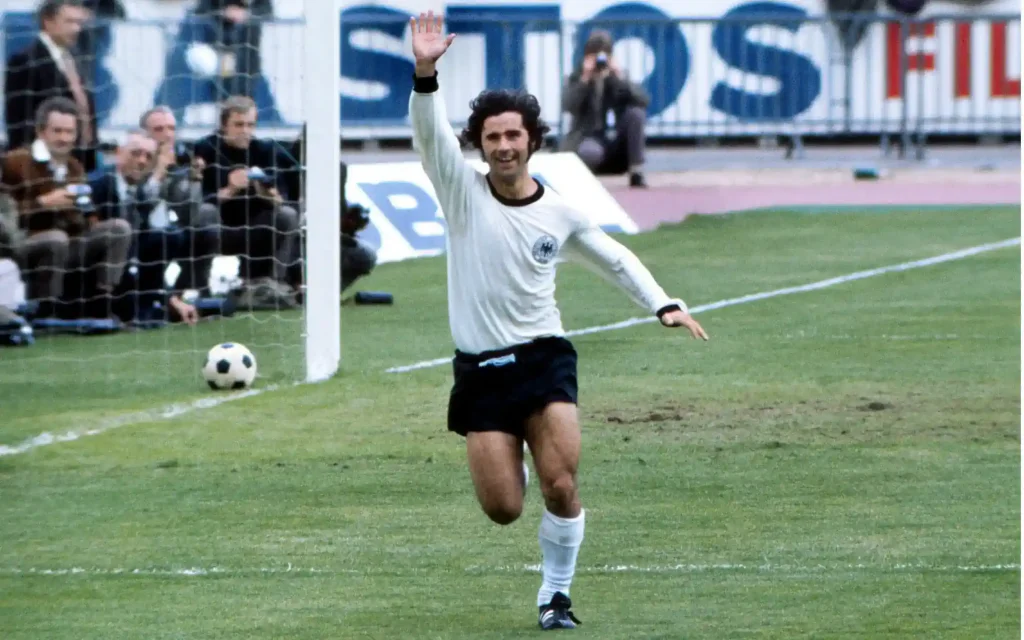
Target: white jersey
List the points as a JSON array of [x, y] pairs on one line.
[[502, 254]]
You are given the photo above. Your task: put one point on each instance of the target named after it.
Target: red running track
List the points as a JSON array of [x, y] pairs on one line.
[[660, 205]]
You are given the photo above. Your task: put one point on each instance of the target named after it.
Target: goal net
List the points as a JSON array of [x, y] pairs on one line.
[[156, 202]]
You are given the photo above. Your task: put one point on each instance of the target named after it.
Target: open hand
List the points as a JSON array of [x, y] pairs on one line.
[[428, 43], [682, 319]]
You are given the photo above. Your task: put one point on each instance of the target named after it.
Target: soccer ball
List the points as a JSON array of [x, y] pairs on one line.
[[229, 366]]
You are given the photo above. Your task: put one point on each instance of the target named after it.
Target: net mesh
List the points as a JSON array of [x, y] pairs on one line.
[[181, 201]]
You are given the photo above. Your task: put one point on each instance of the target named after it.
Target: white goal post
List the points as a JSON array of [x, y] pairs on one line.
[[321, 71]]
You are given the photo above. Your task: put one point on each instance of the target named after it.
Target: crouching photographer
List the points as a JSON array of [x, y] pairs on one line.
[[357, 258], [608, 113]]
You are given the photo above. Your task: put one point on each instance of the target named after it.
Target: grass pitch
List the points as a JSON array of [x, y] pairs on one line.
[[840, 463]]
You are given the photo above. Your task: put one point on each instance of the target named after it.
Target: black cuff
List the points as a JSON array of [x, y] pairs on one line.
[[424, 85], [669, 307]]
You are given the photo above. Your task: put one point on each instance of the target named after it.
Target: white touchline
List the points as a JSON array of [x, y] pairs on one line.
[[738, 567], [764, 567], [173, 411], [754, 297]]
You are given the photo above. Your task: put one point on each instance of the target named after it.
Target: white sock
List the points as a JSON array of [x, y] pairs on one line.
[[560, 540]]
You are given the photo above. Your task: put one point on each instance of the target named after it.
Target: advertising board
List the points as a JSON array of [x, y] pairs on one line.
[[712, 67]]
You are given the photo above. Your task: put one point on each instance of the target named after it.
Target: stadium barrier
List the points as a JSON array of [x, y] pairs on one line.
[[758, 70]]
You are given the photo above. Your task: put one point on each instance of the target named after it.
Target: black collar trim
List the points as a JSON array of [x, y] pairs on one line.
[[514, 202]]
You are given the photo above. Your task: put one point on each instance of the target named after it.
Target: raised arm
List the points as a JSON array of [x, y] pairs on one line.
[[607, 257], [433, 136]]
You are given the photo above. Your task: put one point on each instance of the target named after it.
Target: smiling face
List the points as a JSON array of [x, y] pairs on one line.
[[505, 144]]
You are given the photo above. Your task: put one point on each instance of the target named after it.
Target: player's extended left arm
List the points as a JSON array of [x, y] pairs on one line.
[[620, 266]]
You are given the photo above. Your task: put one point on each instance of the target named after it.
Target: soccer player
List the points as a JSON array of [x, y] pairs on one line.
[[514, 370]]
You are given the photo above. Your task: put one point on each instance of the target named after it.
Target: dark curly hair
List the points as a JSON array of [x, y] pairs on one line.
[[497, 101]]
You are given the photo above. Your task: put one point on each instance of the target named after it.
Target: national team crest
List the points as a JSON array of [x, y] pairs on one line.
[[545, 249]]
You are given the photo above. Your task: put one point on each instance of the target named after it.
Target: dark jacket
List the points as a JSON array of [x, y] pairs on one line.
[[177, 188], [221, 159], [589, 107], [31, 77], [106, 199]]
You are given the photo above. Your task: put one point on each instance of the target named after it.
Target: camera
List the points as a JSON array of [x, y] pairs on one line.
[[360, 213], [82, 193], [256, 174], [601, 61], [355, 217]]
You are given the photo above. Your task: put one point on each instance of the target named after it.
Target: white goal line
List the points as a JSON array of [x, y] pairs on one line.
[[289, 569], [754, 297], [70, 435], [172, 411]]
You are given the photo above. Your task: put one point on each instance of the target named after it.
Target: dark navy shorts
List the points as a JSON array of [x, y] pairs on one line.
[[499, 390]]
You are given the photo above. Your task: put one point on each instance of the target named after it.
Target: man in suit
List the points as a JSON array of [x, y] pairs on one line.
[[131, 191], [61, 228], [47, 69]]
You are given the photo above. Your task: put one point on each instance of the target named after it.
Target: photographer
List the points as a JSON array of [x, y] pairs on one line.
[[56, 212], [608, 113], [240, 185], [357, 258]]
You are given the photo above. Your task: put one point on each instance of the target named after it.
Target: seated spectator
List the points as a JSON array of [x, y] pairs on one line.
[[131, 191], [181, 189], [357, 257], [240, 184], [608, 113], [62, 232]]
